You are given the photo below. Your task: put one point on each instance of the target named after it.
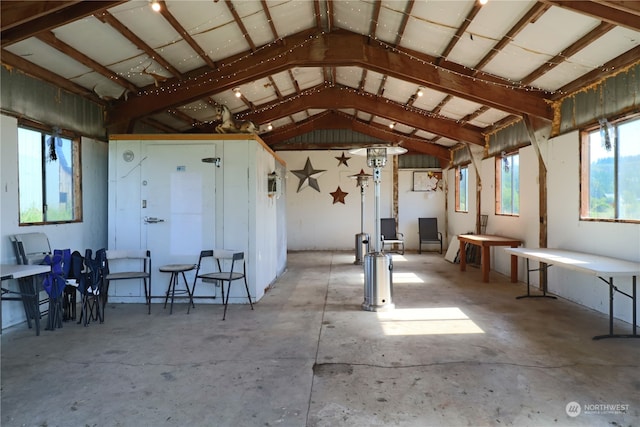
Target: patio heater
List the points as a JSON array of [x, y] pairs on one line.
[[378, 283], [362, 239]]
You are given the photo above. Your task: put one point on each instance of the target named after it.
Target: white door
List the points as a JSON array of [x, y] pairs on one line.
[[178, 205]]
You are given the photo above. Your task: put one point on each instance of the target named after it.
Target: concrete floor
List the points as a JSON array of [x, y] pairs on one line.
[[454, 352]]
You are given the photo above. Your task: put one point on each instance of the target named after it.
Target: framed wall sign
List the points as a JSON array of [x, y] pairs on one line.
[[425, 181]]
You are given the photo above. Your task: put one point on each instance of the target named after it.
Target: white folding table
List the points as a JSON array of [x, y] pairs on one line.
[[28, 289], [605, 268]]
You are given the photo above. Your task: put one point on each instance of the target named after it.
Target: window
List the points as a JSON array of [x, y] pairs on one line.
[[610, 160], [462, 189], [49, 178], [508, 184]]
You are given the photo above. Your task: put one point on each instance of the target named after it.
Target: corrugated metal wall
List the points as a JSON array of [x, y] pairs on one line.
[[607, 99], [23, 96], [612, 97]]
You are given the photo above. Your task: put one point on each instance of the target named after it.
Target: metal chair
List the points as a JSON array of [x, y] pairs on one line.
[[127, 265], [389, 233], [428, 231], [222, 258]]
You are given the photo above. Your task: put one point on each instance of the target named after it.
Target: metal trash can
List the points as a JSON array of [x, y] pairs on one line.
[[362, 247], [378, 286]]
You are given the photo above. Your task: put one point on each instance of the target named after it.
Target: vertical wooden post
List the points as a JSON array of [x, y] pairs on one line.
[[478, 189]]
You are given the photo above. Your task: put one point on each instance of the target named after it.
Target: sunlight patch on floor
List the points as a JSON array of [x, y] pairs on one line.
[[406, 278], [427, 321]]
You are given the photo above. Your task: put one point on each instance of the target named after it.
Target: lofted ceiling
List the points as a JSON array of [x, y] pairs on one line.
[[440, 72]]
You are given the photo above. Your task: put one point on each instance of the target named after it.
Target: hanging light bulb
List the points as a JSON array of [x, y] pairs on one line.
[[155, 6], [392, 125], [483, 2], [269, 127], [237, 92], [420, 92]]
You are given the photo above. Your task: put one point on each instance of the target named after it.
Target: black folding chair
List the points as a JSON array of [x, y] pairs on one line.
[[222, 258]]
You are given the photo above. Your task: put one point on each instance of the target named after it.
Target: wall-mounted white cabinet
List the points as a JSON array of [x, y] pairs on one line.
[[179, 194]]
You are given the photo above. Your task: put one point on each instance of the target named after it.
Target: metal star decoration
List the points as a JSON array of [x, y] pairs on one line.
[[343, 160], [308, 176], [338, 196]]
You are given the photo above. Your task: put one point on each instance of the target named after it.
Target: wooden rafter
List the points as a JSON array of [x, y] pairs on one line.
[[461, 29], [24, 19], [531, 16], [618, 13], [108, 18], [13, 61], [164, 11], [576, 47], [49, 38]]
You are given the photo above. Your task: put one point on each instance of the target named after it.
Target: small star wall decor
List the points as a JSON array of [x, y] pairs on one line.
[[338, 196], [308, 176], [342, 160]]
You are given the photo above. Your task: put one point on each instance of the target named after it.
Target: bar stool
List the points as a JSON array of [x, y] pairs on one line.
[[176, 270]]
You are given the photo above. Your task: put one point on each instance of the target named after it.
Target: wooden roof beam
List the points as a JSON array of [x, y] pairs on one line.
[[336, 120], [337, 98], [342, 48]]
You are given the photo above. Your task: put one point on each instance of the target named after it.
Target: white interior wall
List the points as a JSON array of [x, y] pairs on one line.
[[90, 233], [315, 223], [525, 226], [419, 204], [564, 229]]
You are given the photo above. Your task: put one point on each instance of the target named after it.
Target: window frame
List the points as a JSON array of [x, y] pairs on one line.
[[76, 173], [499, 161], [585, 171], [458, 191]]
